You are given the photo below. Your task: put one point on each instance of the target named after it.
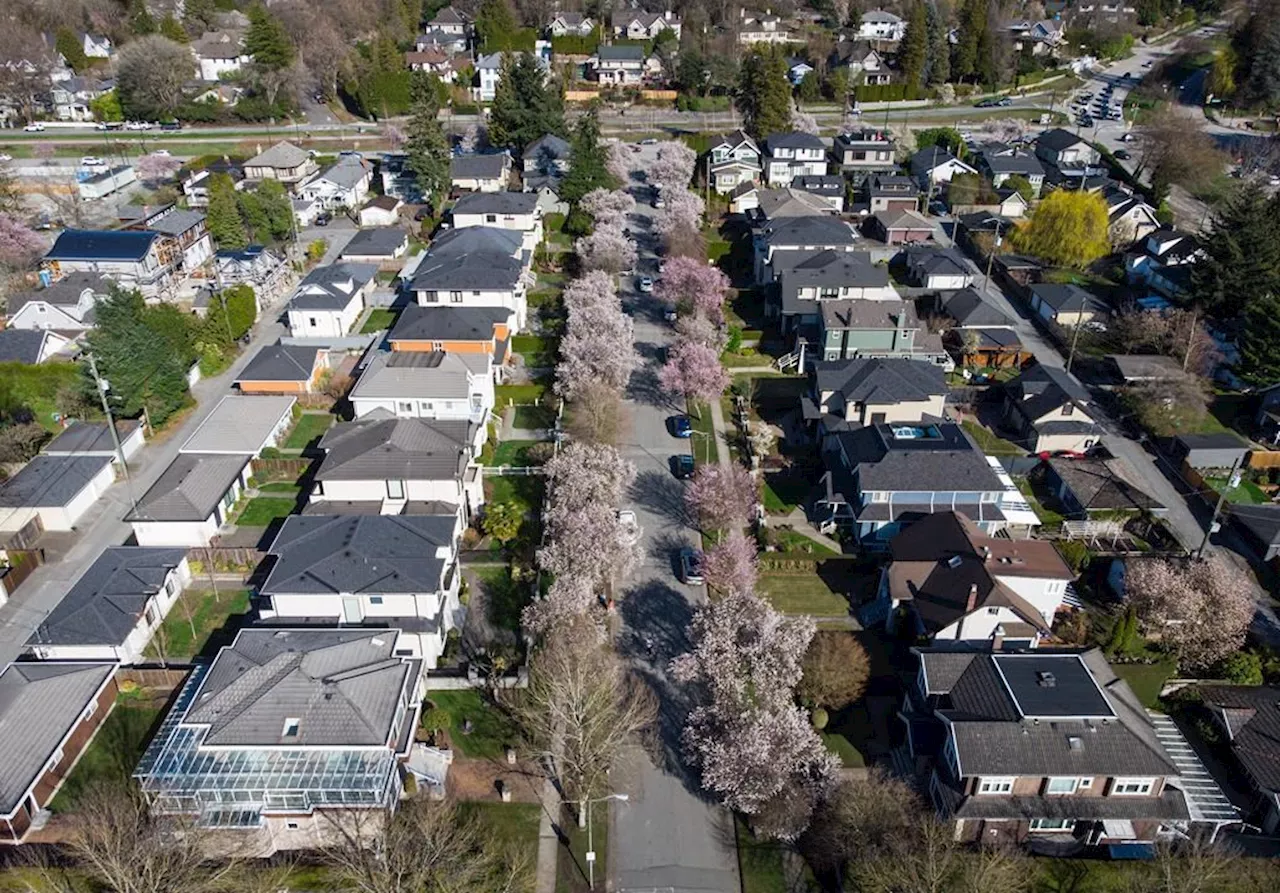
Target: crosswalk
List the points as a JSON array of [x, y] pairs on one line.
[[1205, 800]]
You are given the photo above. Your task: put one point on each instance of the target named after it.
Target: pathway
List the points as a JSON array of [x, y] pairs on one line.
[[721, 430]]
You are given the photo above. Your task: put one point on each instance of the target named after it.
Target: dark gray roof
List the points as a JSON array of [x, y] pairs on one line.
[[828, 267], [860, 314], [890, 185], [1098, 486], [347, 171], [177, 222], [930, 159], [479, 270], [21, 345], [280, 362], [344, 688], [547, 148], [1068, 297], [382, 241], [1221, 440], [106, 602], [190, 488], [327, 554], [793, 140], [824, 231], [1253, 714], [40, 704], [1057, 139], [1042, 389], [820, 184], [1263, 521], [968, 308], [880, 380], [65, 292], [476, 239], [448, 323], [625, 52], [929, 260], [468, 167], [331, 287], [51, 481], [1012, 161], [395, 449], [1170, 806], [937, 457], [82, 438], [496, 203]]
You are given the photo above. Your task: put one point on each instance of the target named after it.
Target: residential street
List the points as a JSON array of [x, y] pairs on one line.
[[667, 837]]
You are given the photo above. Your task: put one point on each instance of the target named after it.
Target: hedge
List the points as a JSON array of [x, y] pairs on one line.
[[576, 44], [889, 92], [687, 103]]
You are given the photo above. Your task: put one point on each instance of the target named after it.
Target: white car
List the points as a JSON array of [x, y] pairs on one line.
[[34, 127], [92, 161], [645, 284], [630, 525], [5, 156], [162, 153]]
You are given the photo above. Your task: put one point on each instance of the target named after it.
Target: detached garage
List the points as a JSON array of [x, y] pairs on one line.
[[57, 489]]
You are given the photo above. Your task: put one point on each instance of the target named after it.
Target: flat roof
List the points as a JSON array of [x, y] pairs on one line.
[[240, 424]]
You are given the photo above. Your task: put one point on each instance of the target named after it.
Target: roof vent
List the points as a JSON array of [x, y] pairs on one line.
[[954, 561], [1045, 679], [376, 642], [1075, 742], [282, 634]]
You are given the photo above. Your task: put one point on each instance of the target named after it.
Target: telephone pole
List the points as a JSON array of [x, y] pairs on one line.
[[103, 387]]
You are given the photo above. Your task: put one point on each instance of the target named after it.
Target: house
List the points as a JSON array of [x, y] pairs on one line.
[[765, 205], [284, 369], [940, 269], [187, 238], [848, 394], [901, 227], [952, 583], [284, 726], [135, 260], [95, 46], [761, 28], [859, 57], [1133, 369], [434, 384], [344, 184], [619, 65], [1038, 38], [865, 151], [114, 608], [49, 713], [981, 335], [1049, 408], [57, 490], [548, 155], [437, 43], [445, 62], [829, 188], [1162, 261], [106, 182], [1247, 716], [806, 280], [1261, 526], [392, 461], [518, 211], [891, 192], [635, 24], [1225, 449], [1129, 218], [381, 210], [877, 24], [94, 439], [72, 99], [807, 233], [398, 180], [860, 328], [195, 185], [284, 162], [255, 266], [65, 305], [882, 477], [242, 425], [1067, 153], [451, 20], [1067, 305], [1001, 161], [936, 165], [574, 24], [329, 300], [488, 73], [34, 346], [797, 69], [480, 173], [1085, 485], [472, 279], [190, 500], [454, 330], [382, 247], [732, 161], [1044, 746], [789, 155], [219, 53]]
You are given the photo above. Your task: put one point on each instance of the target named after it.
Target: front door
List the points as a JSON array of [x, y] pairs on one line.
[[351, 612]]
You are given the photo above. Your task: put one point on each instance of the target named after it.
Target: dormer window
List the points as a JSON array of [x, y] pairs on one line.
[[291, 726]]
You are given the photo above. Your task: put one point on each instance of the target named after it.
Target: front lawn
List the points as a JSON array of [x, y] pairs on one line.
[[263, 510], [784, 490], [536, 350], [492, 731], [379, 320], [760, 863], [309, 428], [509, 452], [989, 442], [525, 491], [519, 393], [572, 870], [803, 593], [111, 756], [510, 826], [534, 417], [795, 541], [705, 447], [504, 598], [202, 609]]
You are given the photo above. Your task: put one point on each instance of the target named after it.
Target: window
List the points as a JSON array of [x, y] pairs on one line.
[[431, 297], [290, 729], [406, 407], [426, 405], [490, 218], [395, 489], [455, 297], [150, 613], [291, 825], [311, 321], [995, 785], [319, 488], [375, 599], [1060, 786], [1132, 787], [1086, 783], [993, 610], [1068, 409], [1052, 824]]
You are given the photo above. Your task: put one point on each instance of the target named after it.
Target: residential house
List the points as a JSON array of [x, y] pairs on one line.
[[1046, 747], [761, 28], [94, 439], [936, 165], [398, 181], [34, 346], [114, 608], [953, 584], [242, 425], [865, 151], [1129, 218], [382, 246], [635, 24], [284, 369], [877, 24], [789, 155], [257, 267], [438, 385], [473, 279], [442, 61], [284, 162], [619, 65], [190, 500], [1037, 38], [1049, 409], [891, 192], [55, 490], [344, 184], [829, 188], [96, 46], [848, 394], [1260, 525], [454, 330], [571, 24], [145, 261], [797, 69], [733, 160], [1001, 161], [548, 155], [764, 205], [451, 20], [1224, 449], [65, 305], [393, 461], [807, 233], [1162, 261], [1067, 154], [939, 269], [489, 71], [285, 726], [849, 329], [1067, 305], [188, 238], [453, 46], [195, 186], [72, 98], [480, 173], [49, 713], [882, 477], [1247, 716], [901, 227], [381, 210], [1008, 203], [99, 184], [518, 211], [809, 279], [861, 58], [329, 300], [219, 53], [980, 334], [1085, 486]]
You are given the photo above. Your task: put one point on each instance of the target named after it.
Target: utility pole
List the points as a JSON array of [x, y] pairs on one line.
[[991, 255], [1191, 339], [1217, 510], [1075, 335], [103, 387]]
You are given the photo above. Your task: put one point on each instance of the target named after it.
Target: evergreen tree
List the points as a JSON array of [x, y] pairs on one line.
[[266, 40], [256, 225], [938, 68], [200, 15], [495, 25], [1241, 254], [586, 161], [972, 25], [172, 29], [1259, 363], [525, 106], [140, 20], [72, 50], [223, 216], [809, 88], [428, 149], [764, 93], [914, 51], [277, 210]]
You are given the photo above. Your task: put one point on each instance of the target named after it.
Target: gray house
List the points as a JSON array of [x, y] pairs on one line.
[[809, 280]]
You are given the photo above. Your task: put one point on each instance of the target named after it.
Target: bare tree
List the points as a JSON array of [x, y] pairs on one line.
[[598, 415], [1195, 865], [859, 820]]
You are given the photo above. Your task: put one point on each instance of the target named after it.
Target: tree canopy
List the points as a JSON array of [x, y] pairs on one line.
[[525, 105], [764, 93], [428, 148], [1241, 254], [1259, 363], [587, 170], [1066, 228], [266, 40]]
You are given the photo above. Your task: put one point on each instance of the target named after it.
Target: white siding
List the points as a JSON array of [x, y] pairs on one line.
[[447, 490], [175, 533], [325, 323]]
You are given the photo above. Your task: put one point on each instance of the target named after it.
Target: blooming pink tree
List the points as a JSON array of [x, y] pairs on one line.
[[598, 347], [567, 599], [1201, 610], [43, 151], [694, 372], [673, 169], [618, 161], [153, 167], [690, 285], [683, 213], [395, 136], [730, 566], [607, 249], [722, 497], [472, 139], [697, 329], [20, 245], [594, 289], [608, 207], [804, 122]]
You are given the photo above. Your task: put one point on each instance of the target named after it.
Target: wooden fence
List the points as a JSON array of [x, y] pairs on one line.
[[1263, 459], [22, 564], [25, 537], [281, 469], [234, 558]]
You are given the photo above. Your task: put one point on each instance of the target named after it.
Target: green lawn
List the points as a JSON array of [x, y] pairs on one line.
[[794, 541], [309, 428], [512, 826], [802, 593], [111, 756], [759, 863], [524, 490], [1146, 680], [534, 417], [536, 350], [505, 598], [508, 452], [571, 865], [378, 321], [206, 611], [988, 442], [286, 487], [1048, 517], [519, 393], [260, 512], [491, 729], [840, 746], [784, 490], [36, 388], [1247, 493], [705, 447]]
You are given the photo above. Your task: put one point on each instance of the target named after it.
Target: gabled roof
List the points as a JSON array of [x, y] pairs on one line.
[[476, 239], [903, 219], [177, 222], [281, 362], [1252, 716], [929, 260], [65, 292], [1099, 485], [880, 379], [548, 147], [346, 172], [190, 488], [734, 140], [776, 204], [1057, 139], [858, 313], [1005, 160], [22, 345], [620, 53], [104, 245], [51, 481], [793, 140], [478, 271], [332, 287], [382, 448], [448, 323], [930, 159], [1042, 389], [283, 155], [970, 309], [798, 269], [1068, 297], [381, 241], [482, 167], [937, 457], [449, 16], [496, 203], [105, 604], [819, 232], [89, 438]]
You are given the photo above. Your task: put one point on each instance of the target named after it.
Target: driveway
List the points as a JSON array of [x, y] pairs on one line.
[[667, 836]]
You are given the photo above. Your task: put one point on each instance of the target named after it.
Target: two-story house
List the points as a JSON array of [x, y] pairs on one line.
[[635, 24], [187, 237], [809, 279], [284, 162], [72, 98], [480, 173], [859, 57], [65, 305], [548, 155], [219, 53], [330, 299], [195, 186], [866, 151], [516, 211], [953, 584], [435, 384], [732, 160], [1246, 715], [764, 27], [848, 394], [891, 193], [145, 261], [1048, 746], [878, 24], [1001, 161], [448, 44], [344, 184], [1067, 154], [935, 165], [850, 329], [1162, 261], [789, 155], [1039, 37], [473, 279], [575, 24], [1049, 408], [260, 268], [451, 20], [454, 330], [1129, 218], [619, 65], [812, 233]]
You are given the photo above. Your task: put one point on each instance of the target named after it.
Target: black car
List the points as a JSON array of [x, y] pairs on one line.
[[171, 125], [682, 466], [1122, 155], [324, 218]]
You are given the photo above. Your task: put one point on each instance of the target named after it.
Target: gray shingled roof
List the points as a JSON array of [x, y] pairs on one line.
[[448, 323], [793, 140], [282, 155], [327, 554], [413, 375], [478, 167], [89, 438], [381, 449], [106, 602], [240, 424], [51, 481], [65, 292], [40, 704], [343, 687], [1042, 389], [820, 231], [382, 241], [476, 239], [880, 379], [496, 203], [175, 223], [1253, 714], [331, 287], [346, 172], [280, 362], [480, 270], [547, 148], [190, 488], [946, 462], [21, 345], [970, 309]]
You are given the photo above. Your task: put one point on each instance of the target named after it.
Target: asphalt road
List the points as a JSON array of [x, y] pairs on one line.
[[667, 837]]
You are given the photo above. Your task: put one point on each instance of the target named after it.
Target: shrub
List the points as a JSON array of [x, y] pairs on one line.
[[1241, 668], [819, 718]]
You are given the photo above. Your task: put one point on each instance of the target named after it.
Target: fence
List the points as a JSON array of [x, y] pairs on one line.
[[25, 537], [160, 678], [22, 564], [281, 469], [232, 557], [1263, 459], [459, 678], [511, 470]]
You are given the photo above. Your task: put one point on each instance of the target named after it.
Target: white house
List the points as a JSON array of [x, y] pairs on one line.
[[796, 71], [381, 210], [619, 65], [190, 501], [468, 274], [71, 98], [94, 439], [330, 299], [284, 162], [480, 173], [766, 28], [96, 46], [733, 160], [635, 24], [344, 184], [66, 304], [517, 211], [790, 155], [219, 53], [437, 385], [937, 269], [450, 21], [57, 490], [937, 165], [571, 24], [381, 246], [880, 25], [196, 185], [112, 611]]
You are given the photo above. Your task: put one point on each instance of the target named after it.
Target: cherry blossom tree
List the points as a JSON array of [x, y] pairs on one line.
[[607, 249], [683, 212], [730, 565], [20, 245], [472, 139], [690, 285], [804, 122], [154, 167], [673, 169], [694, 372], [722, 497], [598, 346], [395, 136], [700, 330], [618, 160], [1199, 610], [567, 599], [608, 207], [593, 289], [44, 151], [583, 474]]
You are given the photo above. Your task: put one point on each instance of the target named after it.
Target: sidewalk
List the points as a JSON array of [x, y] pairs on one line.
[[721, 431], [548, 839]]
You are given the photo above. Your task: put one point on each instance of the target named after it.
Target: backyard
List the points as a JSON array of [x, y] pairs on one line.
[[491, 730], [309, 428], [263, 511], [989, 442], [378, 321], [508, 452], [113, 753], [193, 621], [1246, 492], [505, 598]]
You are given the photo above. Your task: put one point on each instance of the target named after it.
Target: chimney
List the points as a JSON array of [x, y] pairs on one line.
[[667, 15], [997, 638], [986, 554], [973, 598]]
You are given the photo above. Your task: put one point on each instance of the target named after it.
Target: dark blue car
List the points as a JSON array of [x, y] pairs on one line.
[[681, 426], [682, 466]]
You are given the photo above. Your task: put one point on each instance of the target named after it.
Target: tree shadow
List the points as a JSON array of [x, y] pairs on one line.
[[643, 386], [660, 492]]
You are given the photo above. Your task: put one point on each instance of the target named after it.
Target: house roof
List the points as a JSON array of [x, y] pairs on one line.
[[496, 203], [793, 139], [51, 481], [1057, 139], [381, 241], [827, 267], [868, 314], [85, 244], [65, 292], [1263, 521], [620, 53], [480, 270], [775, 204], [929, 260], [1146, 367], [937, 457], [177, 222], [970, 309], [332, 287], [475, 239], [87, 438], [343, 687], [448, 323], [239, 424], [104, 605], [733, 140], [40, 704], [816, 231], [1042, 389], [283, 155], [384, 202], [1222, 440], [281, 362], [829, 185], [548, 147], [903, 219], [22, 345], [346, 172], [327, 554], [483, 167], [1100, 485], [1252, 715], [449, 16], [1001, 159], [880, 379], [879, 16], [382, 447], [927, 160], [412, 374], [190, 488]]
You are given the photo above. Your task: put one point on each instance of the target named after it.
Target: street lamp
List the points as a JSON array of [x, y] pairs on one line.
[[591, 847]]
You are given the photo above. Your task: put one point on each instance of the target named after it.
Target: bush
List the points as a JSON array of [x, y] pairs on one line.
[[575, 44], [819, 718], [1241, 668], [889, 92], [316, 250]]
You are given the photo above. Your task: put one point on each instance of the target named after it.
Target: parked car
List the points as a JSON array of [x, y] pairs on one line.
[[171, 125], [681, 426], [658, 202], [324, 218], [92, 161], [682, 466], [988, 103], [162, 153], [1126, 137], [5, 156], [1005, 102], [1122, 155], [630, 525], [644, 284], [690, 567], [34, 127]]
